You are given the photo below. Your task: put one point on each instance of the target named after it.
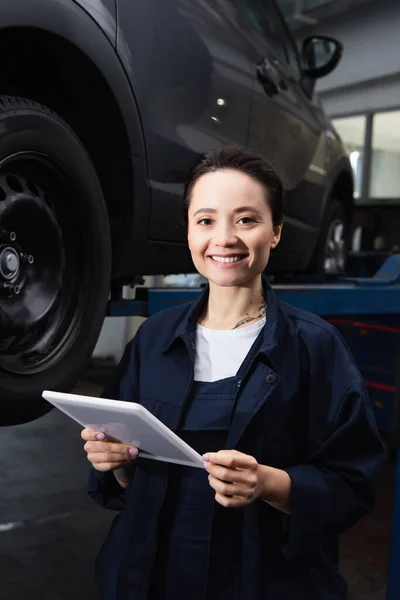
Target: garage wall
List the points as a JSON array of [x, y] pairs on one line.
[[118, 331], [111, 343]]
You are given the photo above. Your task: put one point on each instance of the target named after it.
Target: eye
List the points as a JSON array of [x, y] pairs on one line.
[[204, 221], [247, 220]]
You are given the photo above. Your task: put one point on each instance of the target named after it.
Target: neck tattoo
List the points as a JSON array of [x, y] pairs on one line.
[[261, 312]]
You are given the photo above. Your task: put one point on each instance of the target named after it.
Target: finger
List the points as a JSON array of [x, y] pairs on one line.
[[91, 435], [230, 489], [105, 457], [241, 476], [110, 447], [232, 459], [230, 502]]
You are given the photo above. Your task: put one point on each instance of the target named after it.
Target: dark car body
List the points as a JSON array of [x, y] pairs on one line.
[[181, 75]]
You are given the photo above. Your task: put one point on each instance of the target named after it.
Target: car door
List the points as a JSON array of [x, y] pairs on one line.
[[191, 75], [286, 127]]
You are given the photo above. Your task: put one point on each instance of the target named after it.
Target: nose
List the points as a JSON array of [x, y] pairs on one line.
[[224, 235]]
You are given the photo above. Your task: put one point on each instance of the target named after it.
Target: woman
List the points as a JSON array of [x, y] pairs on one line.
[[268, 394]]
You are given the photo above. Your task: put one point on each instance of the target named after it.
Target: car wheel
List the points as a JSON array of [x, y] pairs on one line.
[[55, 258], [331, 252]]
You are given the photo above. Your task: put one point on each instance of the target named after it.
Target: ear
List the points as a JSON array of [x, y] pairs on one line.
[[277, 235]]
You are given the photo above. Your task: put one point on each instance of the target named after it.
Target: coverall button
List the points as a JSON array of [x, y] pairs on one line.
[[271, 378]]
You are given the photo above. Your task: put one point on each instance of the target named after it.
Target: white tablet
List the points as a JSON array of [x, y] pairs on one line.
[[127, 422]]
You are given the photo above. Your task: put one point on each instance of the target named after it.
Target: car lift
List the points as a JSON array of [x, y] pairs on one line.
[[376, 298]]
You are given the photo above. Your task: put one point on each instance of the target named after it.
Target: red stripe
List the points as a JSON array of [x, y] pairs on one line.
[[380, 386], [362, 325]]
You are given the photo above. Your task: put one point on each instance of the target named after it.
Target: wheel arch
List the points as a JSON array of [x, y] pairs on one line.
[[63, 59]]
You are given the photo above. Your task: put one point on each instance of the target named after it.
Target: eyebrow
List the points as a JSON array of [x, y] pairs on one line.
[[236, 210]]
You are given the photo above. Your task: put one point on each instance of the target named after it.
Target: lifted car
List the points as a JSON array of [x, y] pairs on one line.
[[104, 106]]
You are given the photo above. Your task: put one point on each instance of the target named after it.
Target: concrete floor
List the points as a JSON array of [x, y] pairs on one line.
[[50, 531]]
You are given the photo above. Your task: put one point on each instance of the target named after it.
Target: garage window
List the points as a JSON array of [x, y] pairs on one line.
[[384, 186], [352, 131]]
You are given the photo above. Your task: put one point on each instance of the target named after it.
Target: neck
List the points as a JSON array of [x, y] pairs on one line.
[[235, 306]]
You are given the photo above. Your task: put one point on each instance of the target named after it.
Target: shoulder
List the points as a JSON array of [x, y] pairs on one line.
[[320, 338], [169, 317], [308, 323], [160, 327], [323, 354]]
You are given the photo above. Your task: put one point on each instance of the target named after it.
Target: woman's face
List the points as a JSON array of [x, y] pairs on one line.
[[230, 231]]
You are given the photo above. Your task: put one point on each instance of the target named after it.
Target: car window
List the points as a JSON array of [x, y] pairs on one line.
[[264, 23], [268, 21], [291, 47]]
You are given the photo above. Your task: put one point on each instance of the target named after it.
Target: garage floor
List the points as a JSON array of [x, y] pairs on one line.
[[50, 531]]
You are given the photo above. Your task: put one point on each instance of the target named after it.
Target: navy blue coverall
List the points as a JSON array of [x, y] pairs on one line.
[[298, 403]]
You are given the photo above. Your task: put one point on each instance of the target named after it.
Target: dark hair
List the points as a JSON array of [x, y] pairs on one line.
[[246, 161]]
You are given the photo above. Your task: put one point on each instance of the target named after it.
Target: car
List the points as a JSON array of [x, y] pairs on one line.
[[104, 107]]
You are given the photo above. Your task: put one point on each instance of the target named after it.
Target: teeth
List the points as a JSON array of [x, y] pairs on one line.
[[227, 259]]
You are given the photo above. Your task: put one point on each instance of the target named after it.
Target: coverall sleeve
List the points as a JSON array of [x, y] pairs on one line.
[[103, 487], [338, 484]]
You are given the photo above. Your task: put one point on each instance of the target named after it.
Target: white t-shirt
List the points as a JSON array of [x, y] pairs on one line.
[[220, 352]]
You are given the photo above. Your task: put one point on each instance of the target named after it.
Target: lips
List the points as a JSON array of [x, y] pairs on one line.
[[227, 259]]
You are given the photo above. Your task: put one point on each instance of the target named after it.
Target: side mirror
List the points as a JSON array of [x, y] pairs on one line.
[[320, 55]]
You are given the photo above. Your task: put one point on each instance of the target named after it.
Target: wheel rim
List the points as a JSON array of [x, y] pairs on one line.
[[335, 248], [41, 240]]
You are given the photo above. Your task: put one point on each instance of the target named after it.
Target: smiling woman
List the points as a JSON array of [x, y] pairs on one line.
[[267, 394], [233, 210]]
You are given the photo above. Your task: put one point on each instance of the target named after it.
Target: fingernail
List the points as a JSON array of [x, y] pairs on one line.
[[100, 436], [133, 451], [205, 457], [205, 464]]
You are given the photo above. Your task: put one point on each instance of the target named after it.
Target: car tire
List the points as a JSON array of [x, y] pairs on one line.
[[55, 258], [331, 251]]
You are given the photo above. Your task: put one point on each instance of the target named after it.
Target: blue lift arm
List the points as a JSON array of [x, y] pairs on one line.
[[346, 296]]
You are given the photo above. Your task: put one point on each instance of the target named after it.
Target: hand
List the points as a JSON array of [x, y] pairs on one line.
[[237, 478], [106, 455]]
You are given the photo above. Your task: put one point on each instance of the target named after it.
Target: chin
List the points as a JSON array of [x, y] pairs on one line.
[[235, 283], [230, 280]]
